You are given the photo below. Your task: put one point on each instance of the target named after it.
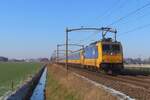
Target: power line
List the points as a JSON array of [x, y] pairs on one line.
[[135, 29], [139, 18], [109, 10], [129, 14], [120, 6], [86, 39]]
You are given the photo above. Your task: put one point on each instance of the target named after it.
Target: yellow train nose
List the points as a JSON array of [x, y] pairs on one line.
[[112, 59]]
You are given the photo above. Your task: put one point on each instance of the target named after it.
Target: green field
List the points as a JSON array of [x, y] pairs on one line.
[[16, 73]]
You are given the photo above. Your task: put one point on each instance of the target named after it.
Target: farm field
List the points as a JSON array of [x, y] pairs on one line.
[[136, 70], [16, 73], [138, 65]]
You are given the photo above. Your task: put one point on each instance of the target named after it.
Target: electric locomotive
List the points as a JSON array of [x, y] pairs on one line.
[[105, 54]]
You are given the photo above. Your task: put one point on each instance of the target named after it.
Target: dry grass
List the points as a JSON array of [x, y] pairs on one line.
[[61, 87]]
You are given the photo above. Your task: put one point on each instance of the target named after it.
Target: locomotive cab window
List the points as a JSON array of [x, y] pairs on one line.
[[116, 48], [107, 48]]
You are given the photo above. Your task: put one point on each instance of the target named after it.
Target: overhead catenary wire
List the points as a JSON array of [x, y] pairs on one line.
[[109, 10], [120, 6], [145, 15], [129, 14], [135, 29], [139, 18], [86, 40], [107, 29]]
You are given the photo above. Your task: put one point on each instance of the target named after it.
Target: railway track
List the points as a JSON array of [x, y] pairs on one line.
[[136, 78], [135, 86], [143, 77], [137, 81]]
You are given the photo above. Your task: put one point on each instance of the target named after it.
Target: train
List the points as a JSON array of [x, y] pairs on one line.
[[105, 54]]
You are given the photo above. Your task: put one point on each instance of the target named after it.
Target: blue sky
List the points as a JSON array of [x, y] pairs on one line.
[[32, 28]]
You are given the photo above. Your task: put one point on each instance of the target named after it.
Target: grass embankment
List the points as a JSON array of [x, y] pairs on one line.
[[16, 73], [61, 87], [56, 90]]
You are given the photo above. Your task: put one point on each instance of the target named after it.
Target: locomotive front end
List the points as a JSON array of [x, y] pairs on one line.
[[112, 56]]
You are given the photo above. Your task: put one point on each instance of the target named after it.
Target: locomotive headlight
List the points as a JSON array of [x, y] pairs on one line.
[[111, 53]]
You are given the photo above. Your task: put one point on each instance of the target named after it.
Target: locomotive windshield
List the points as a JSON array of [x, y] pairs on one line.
[[108, 48], [116, 48]]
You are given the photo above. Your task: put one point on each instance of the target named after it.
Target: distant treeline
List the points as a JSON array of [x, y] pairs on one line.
[[4, 59], [137, 61]]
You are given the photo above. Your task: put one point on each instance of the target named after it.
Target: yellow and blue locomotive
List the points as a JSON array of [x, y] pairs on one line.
[[106, 54]]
